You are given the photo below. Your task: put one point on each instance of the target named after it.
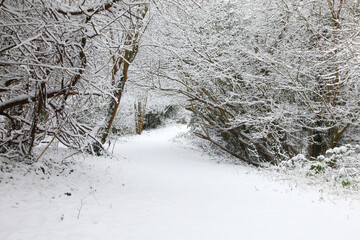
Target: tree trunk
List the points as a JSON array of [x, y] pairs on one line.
[[122, 63], [114, 104]]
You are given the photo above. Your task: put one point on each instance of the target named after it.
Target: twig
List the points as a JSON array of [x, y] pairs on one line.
[[81, 205], [62, 125], [112, 151]]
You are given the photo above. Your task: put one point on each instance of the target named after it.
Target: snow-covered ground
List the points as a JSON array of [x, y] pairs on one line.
[[154, 188]]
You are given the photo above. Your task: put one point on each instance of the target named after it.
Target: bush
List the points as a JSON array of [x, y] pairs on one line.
[[339, 166]]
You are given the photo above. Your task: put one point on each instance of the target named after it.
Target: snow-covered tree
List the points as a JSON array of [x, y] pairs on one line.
[[265, 80], [52, 57]]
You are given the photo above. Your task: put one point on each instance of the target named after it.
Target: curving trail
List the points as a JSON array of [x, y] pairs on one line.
[[156, 189]]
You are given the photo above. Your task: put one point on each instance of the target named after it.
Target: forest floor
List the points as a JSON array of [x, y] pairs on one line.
[[156, 188]]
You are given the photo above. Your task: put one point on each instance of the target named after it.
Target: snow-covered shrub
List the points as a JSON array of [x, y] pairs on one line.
[[340, 166]]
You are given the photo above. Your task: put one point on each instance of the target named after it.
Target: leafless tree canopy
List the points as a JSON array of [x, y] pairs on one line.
[[47, 67], [265, 80]]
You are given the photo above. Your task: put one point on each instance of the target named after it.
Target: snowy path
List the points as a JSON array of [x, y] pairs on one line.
[[155, 189]]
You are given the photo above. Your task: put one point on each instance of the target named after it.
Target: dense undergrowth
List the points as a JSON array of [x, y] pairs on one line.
[[338, 169]]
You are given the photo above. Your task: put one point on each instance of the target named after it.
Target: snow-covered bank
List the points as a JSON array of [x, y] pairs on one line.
[[154, 188]]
